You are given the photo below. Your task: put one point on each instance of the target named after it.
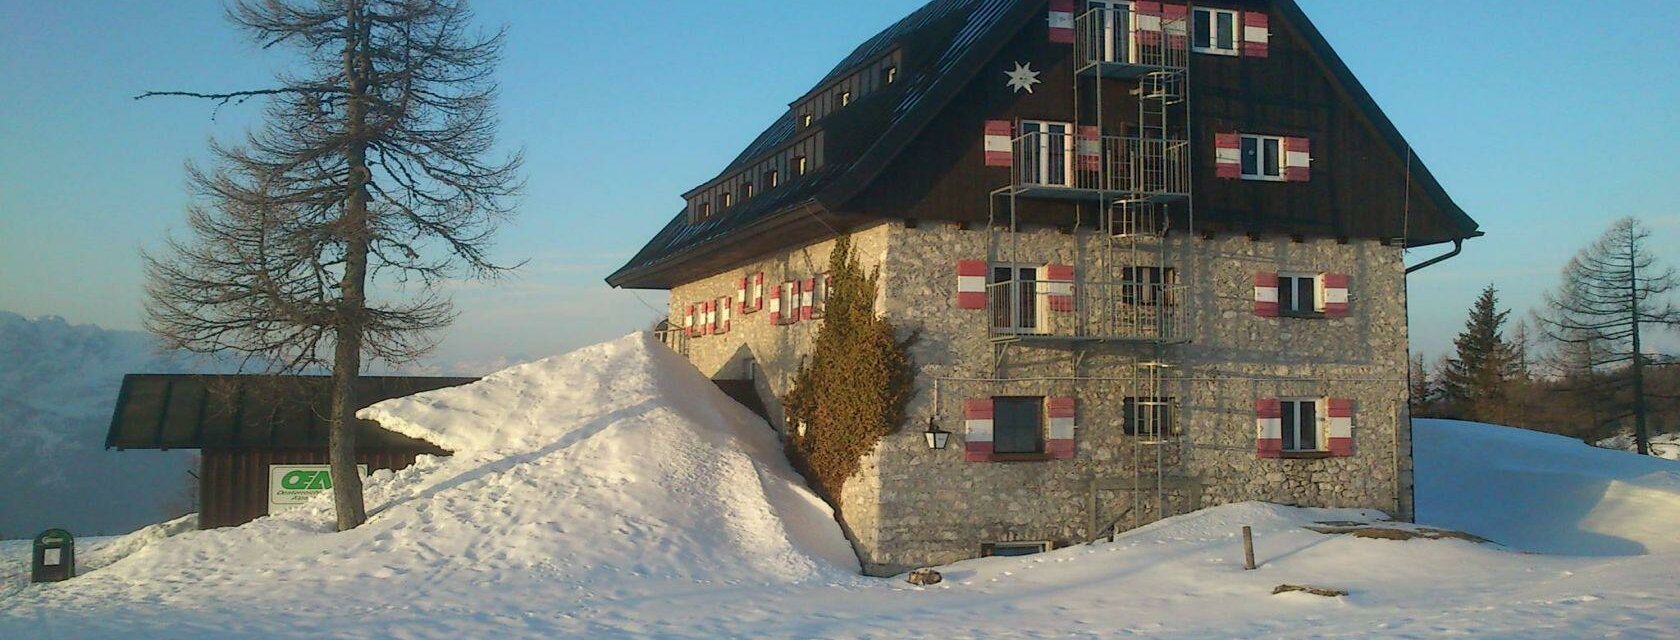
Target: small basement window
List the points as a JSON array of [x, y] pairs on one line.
[[1297, 294], [1011, 549], [1214, 31], [1262, 157], [1300, 425]]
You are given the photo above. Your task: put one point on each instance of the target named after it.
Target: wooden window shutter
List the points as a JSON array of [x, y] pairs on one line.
[[1058, 287], [820, 307], [1000, 143], [1146, 17], [971, 284], [1297, 156], [776, 305], [724, 311], [1333, 295], [758, 291], [1060, 445], [688, 321], [791, 307], [1340, 411], [808, 300], [741, 294], [1266, 295], [1268, 428], [1175, 19], [1089, 148], [1061, 21], [1228, 155], [977, 430], [711, 317], [1256, 34]]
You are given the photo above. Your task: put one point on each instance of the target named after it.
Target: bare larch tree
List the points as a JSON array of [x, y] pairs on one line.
[[371, 167], [1612, 290]]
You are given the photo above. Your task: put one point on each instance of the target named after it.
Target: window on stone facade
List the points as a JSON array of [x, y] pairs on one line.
[[1297, 294], [1014, 295], [1008, 549], [1018, 425], [1149, 416], [1146, 285], [1300, 424]]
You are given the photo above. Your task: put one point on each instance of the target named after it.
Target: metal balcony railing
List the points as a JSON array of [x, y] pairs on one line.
[[1102, 311], [1062, 164], [1118, 42]]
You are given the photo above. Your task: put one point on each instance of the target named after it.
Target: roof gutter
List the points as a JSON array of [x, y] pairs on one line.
[[1458, 245]]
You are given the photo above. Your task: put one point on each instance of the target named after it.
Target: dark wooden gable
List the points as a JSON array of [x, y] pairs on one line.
[[914, 150]]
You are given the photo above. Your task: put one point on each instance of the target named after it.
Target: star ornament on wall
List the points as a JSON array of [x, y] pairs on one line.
[[1022, 78]]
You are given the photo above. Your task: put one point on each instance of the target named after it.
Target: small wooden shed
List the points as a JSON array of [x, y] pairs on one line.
[[245, 425]]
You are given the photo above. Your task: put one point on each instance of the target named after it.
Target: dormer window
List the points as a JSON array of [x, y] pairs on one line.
[[889, 75], [746, 190], [805, 120], [799, 165], [704, 212], [845, 98], [726, 200], [772, 179]]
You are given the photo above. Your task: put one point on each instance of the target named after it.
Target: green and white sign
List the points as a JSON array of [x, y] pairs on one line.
[[290, 485]]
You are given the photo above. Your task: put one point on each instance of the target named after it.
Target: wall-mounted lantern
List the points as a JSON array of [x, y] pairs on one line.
[[937, 438]]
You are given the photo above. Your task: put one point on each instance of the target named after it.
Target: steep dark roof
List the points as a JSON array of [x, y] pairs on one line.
[[947, 42], [157, 411]]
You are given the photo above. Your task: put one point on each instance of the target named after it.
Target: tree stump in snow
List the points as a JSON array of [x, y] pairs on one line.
[[924, 577], [1317, 591]]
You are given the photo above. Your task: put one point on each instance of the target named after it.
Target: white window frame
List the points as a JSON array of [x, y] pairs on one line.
[[1043, 139], [1291, 438], [1213, 31], [1126, 25], [1286, 280], [1018, 300], [1260, 142]]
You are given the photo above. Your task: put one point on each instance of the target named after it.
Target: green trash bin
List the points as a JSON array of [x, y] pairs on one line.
[[55, 556]]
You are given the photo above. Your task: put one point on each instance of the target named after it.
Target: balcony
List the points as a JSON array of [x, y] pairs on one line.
[[1116, 42], [1054, 162], [1044, 311]]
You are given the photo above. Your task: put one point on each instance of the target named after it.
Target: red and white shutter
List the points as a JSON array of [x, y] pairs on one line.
[[977, 426], [1227, 154], [1297, 157], [711, 318], [758, 291], [1089, 148], [1256, 34], [1146, 18], [1266, 295], [971, 284], [791, 308], [1341, 426], [1175, 23], [1000, 143], [1333, 295], [1058, 287], [821, 307], [1061, 410], [725, 312], [688, 321], [776, 304], [808, 300], [1268, 428], [1061, 21], [741, 294]]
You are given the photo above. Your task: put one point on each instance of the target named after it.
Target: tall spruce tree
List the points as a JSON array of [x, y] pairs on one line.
[[370, 167], [1611, 292], [1476, 380]]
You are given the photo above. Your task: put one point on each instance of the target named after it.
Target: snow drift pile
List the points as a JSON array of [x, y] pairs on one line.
[[1542, 492]]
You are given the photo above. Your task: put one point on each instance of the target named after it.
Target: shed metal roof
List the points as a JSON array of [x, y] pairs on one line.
[[168, 411]]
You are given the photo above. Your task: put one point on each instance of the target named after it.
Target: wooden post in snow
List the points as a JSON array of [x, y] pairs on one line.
[[1248, 548]]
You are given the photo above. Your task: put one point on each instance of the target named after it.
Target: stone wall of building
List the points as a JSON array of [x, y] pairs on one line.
[[912, 506]]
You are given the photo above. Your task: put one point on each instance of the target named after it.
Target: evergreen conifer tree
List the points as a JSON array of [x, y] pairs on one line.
[[1476, 380]]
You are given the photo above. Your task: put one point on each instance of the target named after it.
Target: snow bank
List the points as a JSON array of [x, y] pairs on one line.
[[1542, 492], [1663, 445]]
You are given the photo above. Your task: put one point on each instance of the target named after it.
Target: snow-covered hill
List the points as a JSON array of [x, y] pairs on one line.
[[58, 386], [613, 492], [1663, 445]]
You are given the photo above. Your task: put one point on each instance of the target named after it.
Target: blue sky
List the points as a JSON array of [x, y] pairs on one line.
[[1545, 120]]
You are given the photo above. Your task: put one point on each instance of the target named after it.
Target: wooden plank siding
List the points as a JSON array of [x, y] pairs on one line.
[[233, 483]]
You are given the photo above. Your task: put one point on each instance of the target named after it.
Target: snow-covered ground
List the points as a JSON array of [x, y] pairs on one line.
[[1663, 445], [613, 492]]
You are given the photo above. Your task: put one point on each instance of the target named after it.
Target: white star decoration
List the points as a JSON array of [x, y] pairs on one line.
[[1022, 78]]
